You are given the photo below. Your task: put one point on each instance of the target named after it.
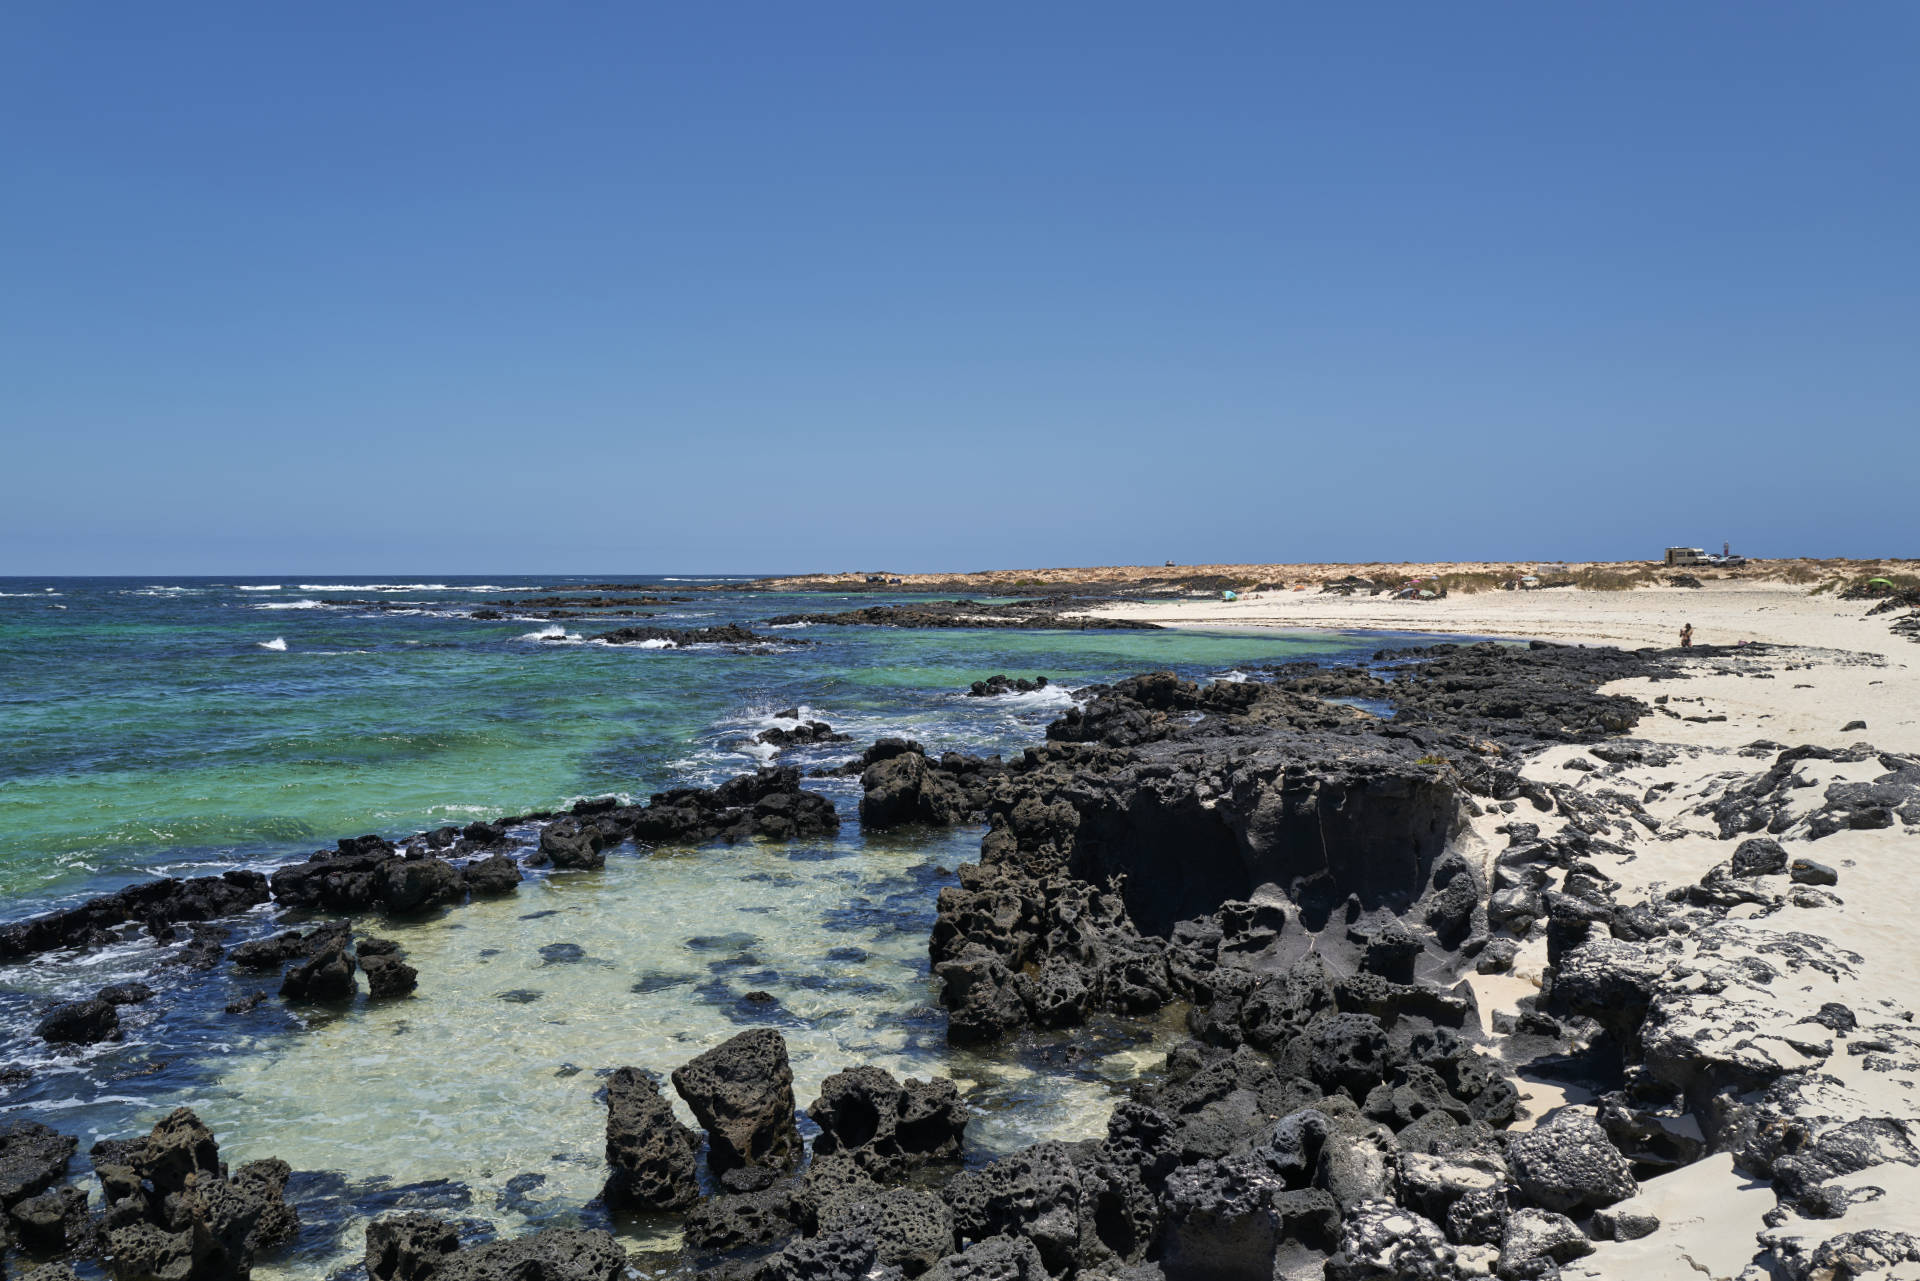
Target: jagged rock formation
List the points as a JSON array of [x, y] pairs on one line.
[[887, 1126], [653, 1157], [173, 1213], [741, 1091]]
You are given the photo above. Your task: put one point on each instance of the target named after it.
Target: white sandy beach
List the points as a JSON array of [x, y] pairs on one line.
[[1841, 667]]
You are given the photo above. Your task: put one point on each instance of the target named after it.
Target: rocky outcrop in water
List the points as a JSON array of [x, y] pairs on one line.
[[1049, 613], [156, 904], [741, 1091], [368, 873], [174, 1214], [769, 804], [1001, 684], [652, 1156], [79, 1023], [800, 734], [732, 635]]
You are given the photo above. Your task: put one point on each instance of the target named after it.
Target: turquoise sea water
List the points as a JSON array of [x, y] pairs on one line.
[[187, 725]]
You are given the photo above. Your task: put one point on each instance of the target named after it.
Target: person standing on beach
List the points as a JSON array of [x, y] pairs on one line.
[[1686, 636]]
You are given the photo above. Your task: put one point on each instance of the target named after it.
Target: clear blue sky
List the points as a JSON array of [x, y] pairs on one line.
[[549, 288]]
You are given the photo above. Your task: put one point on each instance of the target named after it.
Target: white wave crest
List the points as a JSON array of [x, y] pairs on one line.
[[375, 587], [1051, 696], [278, 644], [257, 587], [551, 633], [781, 627], [302, 603]]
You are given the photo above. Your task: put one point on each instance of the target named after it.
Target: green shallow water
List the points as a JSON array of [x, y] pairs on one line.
[[146, 728]]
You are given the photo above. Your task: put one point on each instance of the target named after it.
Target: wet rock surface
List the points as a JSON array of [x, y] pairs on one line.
[[732, 635]]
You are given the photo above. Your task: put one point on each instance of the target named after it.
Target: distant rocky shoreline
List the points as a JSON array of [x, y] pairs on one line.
[[1278, 867]]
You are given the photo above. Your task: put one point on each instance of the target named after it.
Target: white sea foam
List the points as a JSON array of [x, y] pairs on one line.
[[278, 644], [382, 587], [1051, 696], [257, 587], [780, 627], [302, 603], [551, 633]]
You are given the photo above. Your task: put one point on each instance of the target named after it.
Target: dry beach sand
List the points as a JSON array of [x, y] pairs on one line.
[[1838, 667]]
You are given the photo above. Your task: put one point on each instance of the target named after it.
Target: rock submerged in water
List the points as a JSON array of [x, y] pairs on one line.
[[79, 1023]]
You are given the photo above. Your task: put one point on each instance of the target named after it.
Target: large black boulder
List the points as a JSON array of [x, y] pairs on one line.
[[653, 1157], [79, 1023], [741, 1091]]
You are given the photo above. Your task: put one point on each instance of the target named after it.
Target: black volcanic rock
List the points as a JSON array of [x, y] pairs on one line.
[[156, 904], [1053, 614], [653, 1157], [33, 1158], [997, 685], [741, 1091], [79, 1023], [173, 1212], [885, 1125], [729, 634]]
